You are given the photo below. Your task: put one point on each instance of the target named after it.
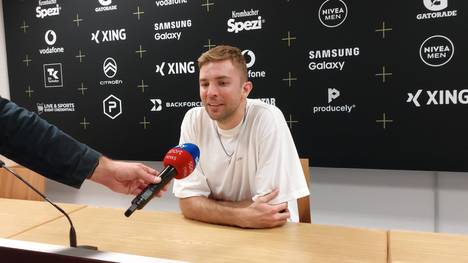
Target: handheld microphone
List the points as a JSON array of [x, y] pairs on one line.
[[179, 162], [72, 228]]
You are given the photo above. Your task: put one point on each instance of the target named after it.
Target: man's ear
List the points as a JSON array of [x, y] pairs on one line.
[[246, 88]]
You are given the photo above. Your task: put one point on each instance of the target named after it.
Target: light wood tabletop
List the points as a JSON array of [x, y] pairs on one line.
[[169, 235], [17, 216], [408, 246]]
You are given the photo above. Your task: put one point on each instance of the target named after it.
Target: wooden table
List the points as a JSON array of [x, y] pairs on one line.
[[170, 235], [406, 246], [17, 216]]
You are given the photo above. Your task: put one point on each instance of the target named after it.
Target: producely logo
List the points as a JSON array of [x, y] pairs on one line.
[[436, 51], [42, 12], [171, 25], [175, 68], [436, 6], [50, 38], [109, 35], [109, 68], [333, 94], [332, 13], [169, 2], [55, 107], [247, 25], [439, 97], [328, 57], [53, 76], [112, 106], [105, 6], [250, 59]]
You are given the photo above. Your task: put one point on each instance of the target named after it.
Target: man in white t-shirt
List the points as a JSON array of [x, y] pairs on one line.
[[249, 169]]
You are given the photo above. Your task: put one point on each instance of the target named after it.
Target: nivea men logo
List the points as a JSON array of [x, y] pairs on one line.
[[112, 106], [105, 6], [250, 59], [332, 13], [110, 70], [53, 76], [436, 51], [332, 95], [254, 23], [55, 107], [438, 97], [42, 11], [171, 25], [50, 37], [157, 105], [175, 68], [109, 35], [327, 58], [436, 7], [169, 2]]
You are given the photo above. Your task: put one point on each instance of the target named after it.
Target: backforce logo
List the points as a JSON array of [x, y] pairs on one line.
[[42, 11], [327, 58], [160, 3], [436, 51], [175, 68], [109, 35], [105, 6], [54, 107], [333, 94], [171, 25], [53, 77], [247, 25], [332, 13], [436, 6], [50, 37], [439, 97], [110, 70], [158, 104], [250, 59]]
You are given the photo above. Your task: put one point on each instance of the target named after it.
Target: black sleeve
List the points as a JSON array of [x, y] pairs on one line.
[[33, 142]]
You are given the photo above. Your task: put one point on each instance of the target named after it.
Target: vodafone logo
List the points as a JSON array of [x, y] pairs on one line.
[[50, 37], [249, 57]]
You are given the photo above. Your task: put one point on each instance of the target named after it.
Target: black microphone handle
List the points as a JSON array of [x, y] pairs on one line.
[[72, 228], [146, 195]]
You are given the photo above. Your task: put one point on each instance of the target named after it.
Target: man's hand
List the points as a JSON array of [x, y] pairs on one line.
[[124, 177], [260, 214]]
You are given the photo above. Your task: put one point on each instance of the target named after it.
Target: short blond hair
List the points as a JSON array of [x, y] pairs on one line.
[[224, 52]]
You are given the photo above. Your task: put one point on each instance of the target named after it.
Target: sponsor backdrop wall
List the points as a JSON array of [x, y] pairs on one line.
[[368, 84]]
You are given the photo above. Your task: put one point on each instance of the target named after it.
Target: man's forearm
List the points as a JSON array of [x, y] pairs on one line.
[[212, 211]]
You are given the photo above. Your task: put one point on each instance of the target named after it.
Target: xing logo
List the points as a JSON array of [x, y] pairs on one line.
[[439, 97], [175, 68], [112, 106], [108, 35]]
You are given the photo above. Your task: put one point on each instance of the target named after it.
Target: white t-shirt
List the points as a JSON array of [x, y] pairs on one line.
[[264, 157]]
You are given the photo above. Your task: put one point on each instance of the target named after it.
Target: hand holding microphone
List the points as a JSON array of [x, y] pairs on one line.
[[179, 163]]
